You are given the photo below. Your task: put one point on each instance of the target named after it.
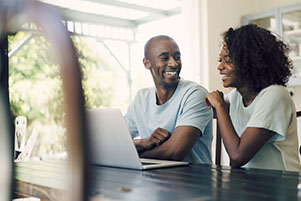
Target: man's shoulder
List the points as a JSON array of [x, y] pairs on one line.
[[143, 91], [192, 86], [144, 94]]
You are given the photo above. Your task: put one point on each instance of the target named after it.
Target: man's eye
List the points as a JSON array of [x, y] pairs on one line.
[[164, 58], [177, 57]]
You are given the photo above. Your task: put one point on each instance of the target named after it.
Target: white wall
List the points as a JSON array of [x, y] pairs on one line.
[[216, 16], [263, 5]]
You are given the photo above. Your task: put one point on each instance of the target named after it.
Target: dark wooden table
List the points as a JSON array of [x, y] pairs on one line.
[[45, 179]]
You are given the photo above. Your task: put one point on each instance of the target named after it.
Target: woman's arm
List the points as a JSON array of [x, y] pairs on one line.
[[240, 149]]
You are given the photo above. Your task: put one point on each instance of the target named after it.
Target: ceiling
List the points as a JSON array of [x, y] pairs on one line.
[[120, 13]]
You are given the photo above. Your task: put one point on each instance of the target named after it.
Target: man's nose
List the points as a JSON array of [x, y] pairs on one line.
[[172, 62]]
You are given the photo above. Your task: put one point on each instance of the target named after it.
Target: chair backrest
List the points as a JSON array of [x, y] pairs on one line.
[[23, 144], [20, 132], [299, 130], [218, 143]]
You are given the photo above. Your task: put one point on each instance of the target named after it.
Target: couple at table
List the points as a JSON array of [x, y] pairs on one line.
[[257, 121]]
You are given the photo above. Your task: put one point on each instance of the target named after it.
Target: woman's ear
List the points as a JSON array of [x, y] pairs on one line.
[[146, 63]]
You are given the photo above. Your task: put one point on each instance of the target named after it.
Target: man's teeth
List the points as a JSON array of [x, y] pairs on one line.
[[171, 73]]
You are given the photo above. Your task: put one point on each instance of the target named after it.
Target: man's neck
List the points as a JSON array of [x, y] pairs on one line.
[[163, 94]]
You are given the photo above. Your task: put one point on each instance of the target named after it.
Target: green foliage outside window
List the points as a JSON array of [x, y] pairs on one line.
[[36, 92]]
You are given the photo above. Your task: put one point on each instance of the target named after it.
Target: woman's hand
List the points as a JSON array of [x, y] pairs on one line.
[[214, 99]]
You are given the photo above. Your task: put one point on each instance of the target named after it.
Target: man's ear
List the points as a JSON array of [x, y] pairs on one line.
[[146, 63]]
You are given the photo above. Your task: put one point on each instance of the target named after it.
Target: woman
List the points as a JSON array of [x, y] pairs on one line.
[[258, 121]]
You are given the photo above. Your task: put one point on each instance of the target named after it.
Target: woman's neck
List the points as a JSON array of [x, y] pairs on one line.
[[247, 95]]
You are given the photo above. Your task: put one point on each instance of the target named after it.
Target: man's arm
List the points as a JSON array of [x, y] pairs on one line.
[[155, 139], [194, 118], [177, 146]]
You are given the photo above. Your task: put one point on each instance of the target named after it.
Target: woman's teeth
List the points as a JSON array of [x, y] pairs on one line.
[[225, 76]]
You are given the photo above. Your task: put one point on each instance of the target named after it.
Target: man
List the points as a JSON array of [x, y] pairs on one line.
[[171, 118]]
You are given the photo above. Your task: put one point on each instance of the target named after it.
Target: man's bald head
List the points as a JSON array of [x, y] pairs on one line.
[[151, 41]]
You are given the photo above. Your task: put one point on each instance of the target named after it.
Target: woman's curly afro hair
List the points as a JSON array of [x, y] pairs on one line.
[[260, 59]]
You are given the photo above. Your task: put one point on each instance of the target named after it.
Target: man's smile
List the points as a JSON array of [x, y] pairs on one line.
[[171, 72]]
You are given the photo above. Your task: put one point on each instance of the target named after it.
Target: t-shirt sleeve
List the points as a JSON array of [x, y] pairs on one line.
[[230, 96], [274, 111], [130, 122], [194, 111]]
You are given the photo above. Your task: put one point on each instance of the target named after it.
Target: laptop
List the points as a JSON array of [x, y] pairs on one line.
[[112, 145]]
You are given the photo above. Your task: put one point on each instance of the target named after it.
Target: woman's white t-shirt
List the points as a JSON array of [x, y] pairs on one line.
[[274, 110]]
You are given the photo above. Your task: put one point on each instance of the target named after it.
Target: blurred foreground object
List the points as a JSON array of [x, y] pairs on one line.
[[6, 150], [14, 14]]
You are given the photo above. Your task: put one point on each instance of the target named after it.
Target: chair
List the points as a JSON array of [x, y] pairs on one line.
[[299, 128], [20, 134], [23, 147], [218, 143]]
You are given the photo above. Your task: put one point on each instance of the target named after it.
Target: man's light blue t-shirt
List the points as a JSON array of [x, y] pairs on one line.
[[185, 108]]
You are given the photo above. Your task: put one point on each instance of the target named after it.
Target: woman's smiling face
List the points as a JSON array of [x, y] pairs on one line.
[[226, 68]]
